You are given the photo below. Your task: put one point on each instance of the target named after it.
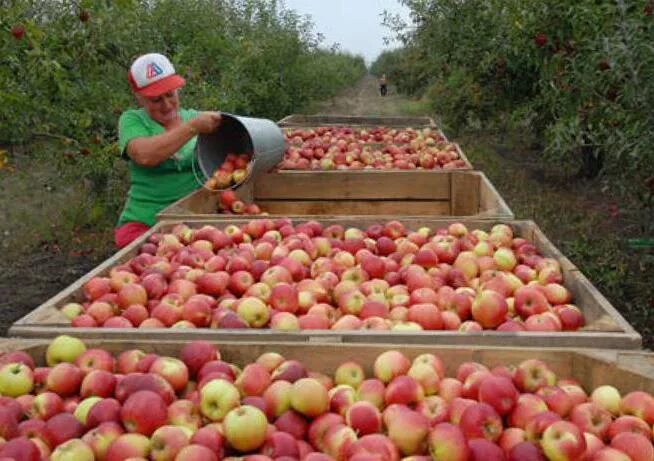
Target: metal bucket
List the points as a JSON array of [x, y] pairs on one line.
[[238, 135]]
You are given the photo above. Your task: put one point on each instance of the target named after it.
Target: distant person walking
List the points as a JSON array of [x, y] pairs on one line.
[[383, 89]]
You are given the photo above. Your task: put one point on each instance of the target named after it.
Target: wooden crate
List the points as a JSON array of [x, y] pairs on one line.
[[302, 120], [626, 370], [381, 193], [605, 328]]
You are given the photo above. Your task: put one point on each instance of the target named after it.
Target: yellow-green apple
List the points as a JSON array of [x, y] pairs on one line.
[[64, 348], [196, 353], [309, 397], [83, 408], [254, 311], [16, 379], [337, 441], [607, 397], [557, 399], [128, 445], [64, 379], [485, 450], [167, 441], [639, 404], [390, 364], [446, 442], [106, 410], [253, 380], [351, 302], [245, 428], [62, 427], [101, 437], [350, 373], [498, 392], [426, 375], [563, 440], [590, 417], [505, 259], [480, 420], [532, 374], [172, 370], [186, 414], [629, 423], [72, 310], [217, 398], [73, 450], [636, 446], [373, 446], [144, 412], [489, 309]]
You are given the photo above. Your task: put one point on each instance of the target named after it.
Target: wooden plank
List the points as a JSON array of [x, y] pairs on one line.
[[465, 194], [355, 207], [627, 371], [302, 120], [368, 184]]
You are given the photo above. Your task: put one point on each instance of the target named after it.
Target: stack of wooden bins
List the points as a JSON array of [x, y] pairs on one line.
[[604, 352]]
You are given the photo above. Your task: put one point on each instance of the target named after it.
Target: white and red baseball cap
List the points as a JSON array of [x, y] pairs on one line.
[[153, 75]]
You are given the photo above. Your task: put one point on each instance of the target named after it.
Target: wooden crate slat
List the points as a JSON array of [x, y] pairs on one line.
[[626, 370]]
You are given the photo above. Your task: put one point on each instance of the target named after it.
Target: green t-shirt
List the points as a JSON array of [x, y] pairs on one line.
[[154, 188]]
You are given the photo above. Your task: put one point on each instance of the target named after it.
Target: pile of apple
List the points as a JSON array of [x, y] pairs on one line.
[[352, 156], [387, 135], [274, 274], [230, 203], [233, 171], [88, 404]]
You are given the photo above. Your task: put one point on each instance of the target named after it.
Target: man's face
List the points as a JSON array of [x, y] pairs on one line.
[[163, 109]]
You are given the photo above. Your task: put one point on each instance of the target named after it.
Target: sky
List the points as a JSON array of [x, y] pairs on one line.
[[354, 24]]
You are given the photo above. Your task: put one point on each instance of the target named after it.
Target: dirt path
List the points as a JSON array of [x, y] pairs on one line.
[[364, 99]]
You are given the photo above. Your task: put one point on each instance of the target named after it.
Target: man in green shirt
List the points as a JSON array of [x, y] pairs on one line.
[[159, 140]]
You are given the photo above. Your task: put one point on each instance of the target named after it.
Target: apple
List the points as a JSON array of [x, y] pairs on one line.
[[16, 379], [82, 409], [636, 446], [129, 445], [309, 397], [407, 429], [105, 410], [610, 454], [73, 450], [337, 440], [167, 441], [64, 348], [64, 379], [143, 412], [289, 370], [484, 450], [608, 398], [217, 398], [526, 451], [639, 404], [563, 440], [489, 308], [20, 449], [498, 392], [390, 364], [172, 370], [341, 398], [350, 373], [101, 437], [253, 311], [532, 374], [480, 420], [446, 442], [196, 452], [629, 424], [403, 390], [557, 399], [62, 427], [245, 428], [592, 418]]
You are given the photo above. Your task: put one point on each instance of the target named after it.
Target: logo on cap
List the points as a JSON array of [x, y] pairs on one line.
[[152, 71]]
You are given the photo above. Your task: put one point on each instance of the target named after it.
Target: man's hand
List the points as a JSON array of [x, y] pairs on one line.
[[206, 122]]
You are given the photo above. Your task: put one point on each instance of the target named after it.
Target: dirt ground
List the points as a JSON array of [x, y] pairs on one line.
[[31, 273]]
